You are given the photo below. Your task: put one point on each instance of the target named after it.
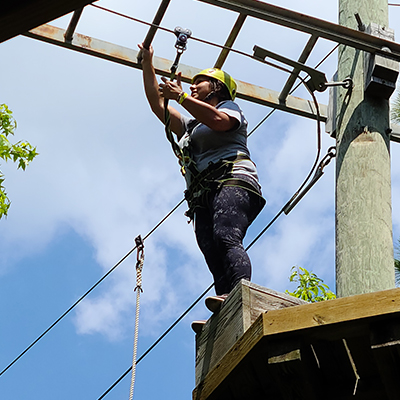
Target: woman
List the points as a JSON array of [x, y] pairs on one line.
[[223, 192]]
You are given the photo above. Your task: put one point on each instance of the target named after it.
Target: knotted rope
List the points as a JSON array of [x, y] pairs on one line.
[[138, 289]]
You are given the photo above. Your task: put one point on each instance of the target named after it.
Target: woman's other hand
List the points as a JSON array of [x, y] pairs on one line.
[[171, 89]]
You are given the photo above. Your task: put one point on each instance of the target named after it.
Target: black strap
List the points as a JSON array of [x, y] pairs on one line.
[[240, 183]]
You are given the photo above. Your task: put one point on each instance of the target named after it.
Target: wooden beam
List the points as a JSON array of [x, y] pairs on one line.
[[294, 369], [126, 56], [385, 345], [336, 311], [305, 23], [230, 41], [19, 16]]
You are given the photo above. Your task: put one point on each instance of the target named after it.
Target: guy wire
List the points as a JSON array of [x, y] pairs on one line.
[[247, 248], [157, 341], [173, 210], [89, 291]]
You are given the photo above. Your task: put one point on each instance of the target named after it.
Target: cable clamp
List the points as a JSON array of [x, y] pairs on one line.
[[331, 153], [140, 261]]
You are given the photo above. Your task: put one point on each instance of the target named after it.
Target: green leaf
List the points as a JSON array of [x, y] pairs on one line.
[[310, 287], [21, 152]]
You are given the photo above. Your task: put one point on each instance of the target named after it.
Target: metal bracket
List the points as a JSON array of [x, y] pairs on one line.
[[347, 83], [317, 79], [381, 70], [69, 33]]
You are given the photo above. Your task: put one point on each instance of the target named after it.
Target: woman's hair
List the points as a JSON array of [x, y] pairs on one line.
[[219, 90]]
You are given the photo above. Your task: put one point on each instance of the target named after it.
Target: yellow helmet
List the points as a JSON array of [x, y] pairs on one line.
[[222, 76]]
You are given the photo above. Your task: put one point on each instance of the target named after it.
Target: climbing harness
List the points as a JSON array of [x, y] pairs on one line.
[[213, 178], [138, 289]]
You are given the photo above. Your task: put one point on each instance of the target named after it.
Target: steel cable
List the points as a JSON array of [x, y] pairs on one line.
[[157, 341], [253, 242], [247, 248], [89, 291], [173, 210], [191, 38]]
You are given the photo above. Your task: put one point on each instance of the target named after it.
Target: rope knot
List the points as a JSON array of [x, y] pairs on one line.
[[139, 267]]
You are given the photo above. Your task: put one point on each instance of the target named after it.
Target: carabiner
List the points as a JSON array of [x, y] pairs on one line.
[[140, 247]]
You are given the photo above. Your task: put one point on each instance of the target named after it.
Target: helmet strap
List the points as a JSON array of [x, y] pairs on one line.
[[210, 96]]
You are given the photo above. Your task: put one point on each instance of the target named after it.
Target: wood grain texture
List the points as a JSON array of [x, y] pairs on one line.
[[364, 242], [242, 307], [349, 345]]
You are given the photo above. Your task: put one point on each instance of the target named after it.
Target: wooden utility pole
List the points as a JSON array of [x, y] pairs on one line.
[[364, 242]]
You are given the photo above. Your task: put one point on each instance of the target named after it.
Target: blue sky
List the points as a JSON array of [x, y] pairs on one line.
[[106, 174]]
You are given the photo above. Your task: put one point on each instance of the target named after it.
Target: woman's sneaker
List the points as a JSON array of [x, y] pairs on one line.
[[214, 303], [197, 326]]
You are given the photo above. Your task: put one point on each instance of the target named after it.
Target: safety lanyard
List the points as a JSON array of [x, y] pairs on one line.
[[182, 36]]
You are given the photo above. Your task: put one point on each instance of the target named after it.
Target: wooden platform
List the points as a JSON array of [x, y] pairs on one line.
[[347, 348], [242, 307]]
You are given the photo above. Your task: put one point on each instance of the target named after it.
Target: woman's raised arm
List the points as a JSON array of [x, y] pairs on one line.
[[154, 98]]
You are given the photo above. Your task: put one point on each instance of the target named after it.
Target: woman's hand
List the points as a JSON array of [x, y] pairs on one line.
[[170, 89], [147, 54]]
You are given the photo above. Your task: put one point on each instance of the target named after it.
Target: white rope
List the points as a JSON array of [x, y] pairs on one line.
[[138, 289]]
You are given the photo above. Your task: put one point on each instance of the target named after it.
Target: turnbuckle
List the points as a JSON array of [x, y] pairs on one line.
[[346, 84]]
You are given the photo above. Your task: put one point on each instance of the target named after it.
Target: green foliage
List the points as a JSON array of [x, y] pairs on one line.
[[395, 117], [21, 152], [397, 271], [310, 287], [395, 110], [397, 263]]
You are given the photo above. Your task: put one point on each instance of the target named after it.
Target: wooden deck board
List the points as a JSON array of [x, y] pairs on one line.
[[293, 351]]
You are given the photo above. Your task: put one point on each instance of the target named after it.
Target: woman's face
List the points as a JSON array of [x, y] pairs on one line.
[[200, 88]]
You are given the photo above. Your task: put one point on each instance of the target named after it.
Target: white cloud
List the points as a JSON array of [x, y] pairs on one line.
[[106, 170], [305, 236]]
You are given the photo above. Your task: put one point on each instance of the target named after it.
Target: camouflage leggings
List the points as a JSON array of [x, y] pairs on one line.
[[220, 229]]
